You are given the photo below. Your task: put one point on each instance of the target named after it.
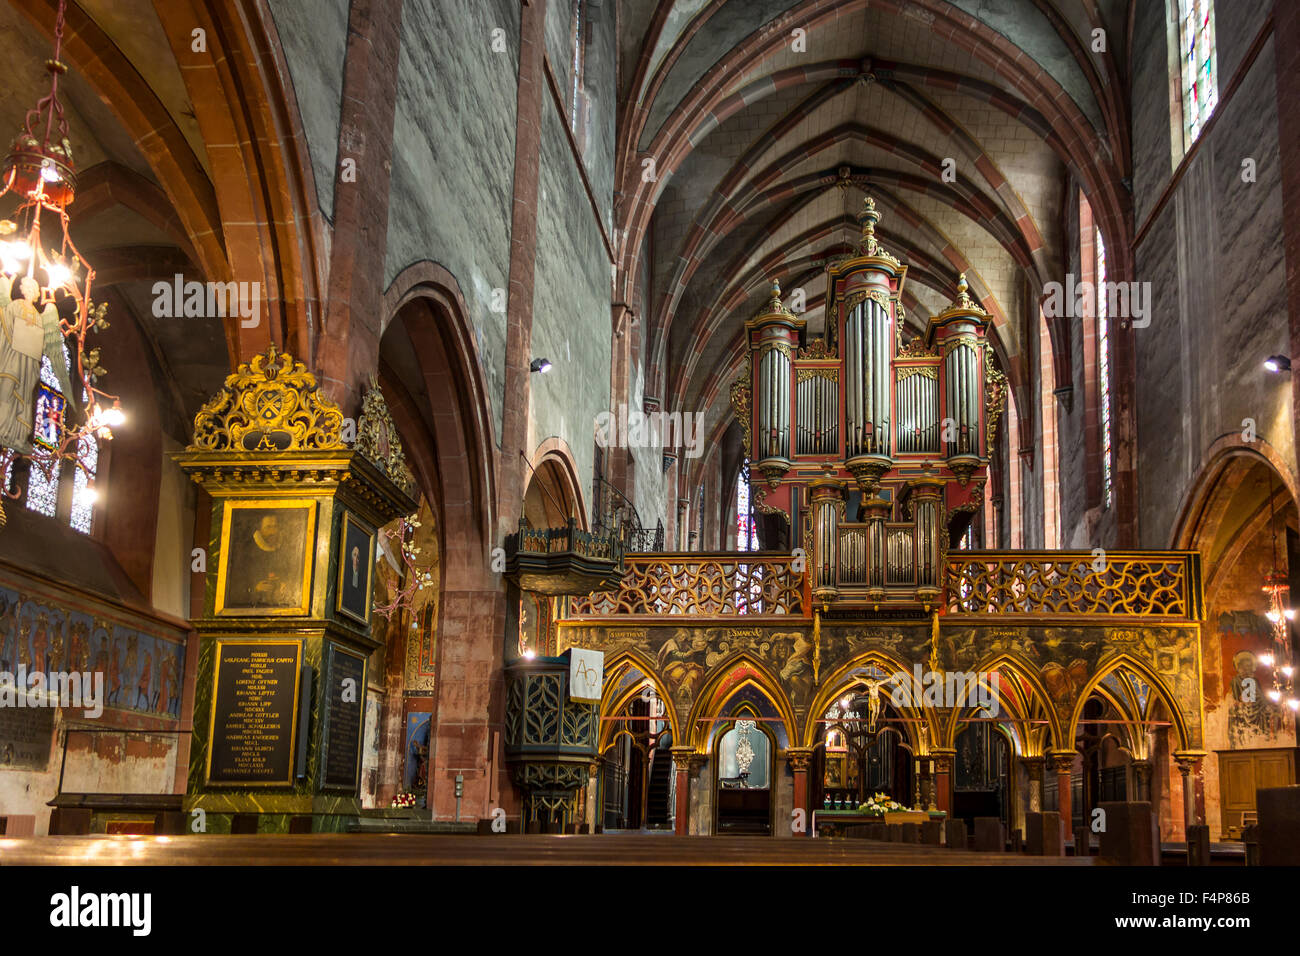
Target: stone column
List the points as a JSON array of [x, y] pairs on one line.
[[943, 779], [799, 759], [1142, 780], [1286, 44], [1189, 765], [1062, 762], [683, 760], [1034, 766]]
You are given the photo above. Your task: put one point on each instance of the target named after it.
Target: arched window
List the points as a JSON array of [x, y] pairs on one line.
[[746, 527], [1094, 309], [577, 96], [67, 492], [1197, 66], [1103, 368]]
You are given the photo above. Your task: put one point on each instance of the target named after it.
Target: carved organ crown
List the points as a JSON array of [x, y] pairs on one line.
[[874, 451]]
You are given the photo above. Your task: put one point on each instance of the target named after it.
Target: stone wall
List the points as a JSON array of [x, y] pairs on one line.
[[314, 35], [1213, 256], [453, 158], [571, 313]]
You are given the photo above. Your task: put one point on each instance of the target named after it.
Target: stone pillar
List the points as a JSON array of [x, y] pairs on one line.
[[799, 759], [523, 261], [1142, 780], [1062, 762], [594, 812], [1286, 44], [943, 779], [1034, 767], [683, 760], [1189, 766]]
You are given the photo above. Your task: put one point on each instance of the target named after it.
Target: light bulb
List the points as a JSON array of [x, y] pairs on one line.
[[1293, 704], [1273, 617], [530, 653], [18, 249], [11, 266], [1289, 614], [58, 274], [87, 496], [1266, 660], [49, 173], [1288, 670], [114, 417], [1274, 695]]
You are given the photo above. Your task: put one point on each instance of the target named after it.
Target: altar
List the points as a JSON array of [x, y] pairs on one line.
[[836, 823]]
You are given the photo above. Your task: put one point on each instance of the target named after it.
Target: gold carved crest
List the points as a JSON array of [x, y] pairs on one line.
[[377, 439], [271, 404]]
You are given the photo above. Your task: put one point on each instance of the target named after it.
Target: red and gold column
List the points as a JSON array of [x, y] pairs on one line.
[[800, 758], [684, 761]]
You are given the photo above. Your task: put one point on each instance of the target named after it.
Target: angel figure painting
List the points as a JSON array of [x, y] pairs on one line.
[[28, 335]]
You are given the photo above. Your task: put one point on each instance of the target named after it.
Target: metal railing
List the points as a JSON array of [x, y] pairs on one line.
[[614, 513]]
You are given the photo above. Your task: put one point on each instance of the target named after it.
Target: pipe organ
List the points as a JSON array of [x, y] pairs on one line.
[[875, 452]]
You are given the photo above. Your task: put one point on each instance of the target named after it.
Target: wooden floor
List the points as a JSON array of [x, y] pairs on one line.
[[496, 850]]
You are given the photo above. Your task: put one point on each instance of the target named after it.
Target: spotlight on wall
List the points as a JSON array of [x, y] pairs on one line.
[[543, 365], [1277, 363]]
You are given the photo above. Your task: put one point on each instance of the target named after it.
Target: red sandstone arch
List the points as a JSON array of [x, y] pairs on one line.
[[1228, 453], [553, 478], [256, 218], [434, 383], [266, 192]]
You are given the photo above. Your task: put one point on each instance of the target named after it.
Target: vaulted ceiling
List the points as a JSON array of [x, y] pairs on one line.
[[751, 130]]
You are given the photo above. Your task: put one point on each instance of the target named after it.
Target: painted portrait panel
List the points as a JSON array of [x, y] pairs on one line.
[[266, 557], [356, 567]]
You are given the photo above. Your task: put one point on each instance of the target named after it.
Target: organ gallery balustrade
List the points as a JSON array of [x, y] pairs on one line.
[[1148, 584], [724, 584], [1162, 585]]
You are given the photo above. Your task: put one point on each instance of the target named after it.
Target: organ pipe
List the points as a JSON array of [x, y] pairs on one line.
[[868, 378], [846, 405]]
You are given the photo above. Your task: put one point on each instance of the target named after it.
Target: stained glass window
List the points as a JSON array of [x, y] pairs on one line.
[[1198, 65], [42, 491], [746, 529], [42, 494], [83, 495], [1103, 366]]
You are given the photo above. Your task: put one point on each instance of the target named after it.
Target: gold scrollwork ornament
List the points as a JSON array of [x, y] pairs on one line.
[[271, 404]]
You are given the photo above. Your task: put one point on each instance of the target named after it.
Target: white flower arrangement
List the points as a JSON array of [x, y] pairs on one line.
[[879, 804]]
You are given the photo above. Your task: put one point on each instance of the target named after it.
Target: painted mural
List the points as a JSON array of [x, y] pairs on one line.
[[1060, 660], [1252, 720], [415, 772], [142, 672]]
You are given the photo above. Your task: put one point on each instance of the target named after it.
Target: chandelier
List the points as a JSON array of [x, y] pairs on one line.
[[1280, 615], [45, 299]]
